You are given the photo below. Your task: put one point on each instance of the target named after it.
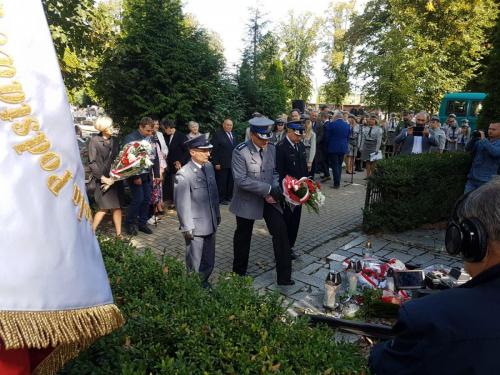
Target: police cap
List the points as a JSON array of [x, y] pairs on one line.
[[262, 126], [201, 142], [296, 126]]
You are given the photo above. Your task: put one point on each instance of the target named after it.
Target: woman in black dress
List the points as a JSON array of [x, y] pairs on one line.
[[103, 149]]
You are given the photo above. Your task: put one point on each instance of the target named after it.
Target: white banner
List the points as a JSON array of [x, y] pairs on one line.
[[49, 256]]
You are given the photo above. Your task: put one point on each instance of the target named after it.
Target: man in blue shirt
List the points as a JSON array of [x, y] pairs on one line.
[[336, 140], [140, 185], [486, 154]]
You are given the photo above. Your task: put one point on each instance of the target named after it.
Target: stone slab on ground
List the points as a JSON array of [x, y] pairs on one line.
[[333, 234]]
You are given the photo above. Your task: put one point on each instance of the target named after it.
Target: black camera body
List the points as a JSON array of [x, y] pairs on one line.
[[418, 131], [476, 134]]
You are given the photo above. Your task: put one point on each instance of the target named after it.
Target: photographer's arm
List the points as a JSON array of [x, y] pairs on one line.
[[407, 349], [401, 137], [490, 148]]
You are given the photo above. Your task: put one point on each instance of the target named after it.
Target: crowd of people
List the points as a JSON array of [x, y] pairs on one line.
[[199, 174], [247, 175]]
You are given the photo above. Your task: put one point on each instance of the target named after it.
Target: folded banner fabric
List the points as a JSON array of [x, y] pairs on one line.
[[54, 290]]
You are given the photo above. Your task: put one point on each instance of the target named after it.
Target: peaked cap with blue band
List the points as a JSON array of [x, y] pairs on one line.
[[200, 142], [297, 126], [262, 126]]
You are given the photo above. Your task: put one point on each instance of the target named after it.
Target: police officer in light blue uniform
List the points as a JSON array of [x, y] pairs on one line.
[[256, 196], [197, 201]]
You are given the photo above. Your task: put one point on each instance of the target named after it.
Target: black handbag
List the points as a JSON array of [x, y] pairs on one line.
[[91, 186]]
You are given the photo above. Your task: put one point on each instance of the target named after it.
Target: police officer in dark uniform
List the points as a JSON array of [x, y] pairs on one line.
[[256, 196], [291, 160]]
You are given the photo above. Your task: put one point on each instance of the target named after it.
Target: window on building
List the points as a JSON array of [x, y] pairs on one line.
[[476, 107]]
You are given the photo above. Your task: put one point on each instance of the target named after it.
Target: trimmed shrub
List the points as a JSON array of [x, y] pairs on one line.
[[176, 327], [405, 192]]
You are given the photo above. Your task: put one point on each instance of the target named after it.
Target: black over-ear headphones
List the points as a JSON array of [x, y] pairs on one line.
[[466, 237]]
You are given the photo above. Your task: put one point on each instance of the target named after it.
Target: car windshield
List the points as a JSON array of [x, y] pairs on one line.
[[458, 107]]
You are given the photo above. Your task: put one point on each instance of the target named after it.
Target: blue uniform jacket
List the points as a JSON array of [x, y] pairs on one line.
[[454, 332], [337, 137]]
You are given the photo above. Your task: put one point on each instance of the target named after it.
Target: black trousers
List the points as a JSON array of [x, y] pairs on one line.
[[224, 179], [324, 166], [292, 221], [169, 184], [276, 226]]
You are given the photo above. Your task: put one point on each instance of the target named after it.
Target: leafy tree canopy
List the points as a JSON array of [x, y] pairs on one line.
[[82, 31], [491, 109], [260, 75], [413, 52], [300, 43], [161, 65]]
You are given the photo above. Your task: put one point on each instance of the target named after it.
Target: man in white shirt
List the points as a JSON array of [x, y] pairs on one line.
[[416, 139]]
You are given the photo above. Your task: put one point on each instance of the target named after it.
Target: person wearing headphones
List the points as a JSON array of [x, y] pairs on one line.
[[456, 331]]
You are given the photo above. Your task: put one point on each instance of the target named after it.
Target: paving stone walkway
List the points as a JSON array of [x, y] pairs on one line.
[[341, 214], [324, 241]]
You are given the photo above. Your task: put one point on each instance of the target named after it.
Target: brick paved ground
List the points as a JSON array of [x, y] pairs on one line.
[[341, 213], [324, 241]]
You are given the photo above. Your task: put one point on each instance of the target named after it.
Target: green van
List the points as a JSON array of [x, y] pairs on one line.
[[463, 105]]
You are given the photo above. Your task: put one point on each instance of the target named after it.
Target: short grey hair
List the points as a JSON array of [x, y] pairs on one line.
[[423, 113], [191, 124], [338, 114], [484, 205]]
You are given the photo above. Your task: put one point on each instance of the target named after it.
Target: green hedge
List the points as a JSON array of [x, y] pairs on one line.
[[176, 327], [415, 190]]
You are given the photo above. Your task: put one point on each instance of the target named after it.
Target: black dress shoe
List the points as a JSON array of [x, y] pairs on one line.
[[145, 229], [286, 282], [131, 230], [293, 255], [225, 203]]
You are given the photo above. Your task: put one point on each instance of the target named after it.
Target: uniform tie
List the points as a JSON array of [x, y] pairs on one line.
[[296, 146], [261, 153]]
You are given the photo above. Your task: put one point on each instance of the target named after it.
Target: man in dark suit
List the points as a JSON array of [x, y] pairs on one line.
[[456, 331], [416, 139], [291, 160], [177, 155], [321, 157], [313, 116], [224, 142], [197, 202], [336, 140], [140, 186]]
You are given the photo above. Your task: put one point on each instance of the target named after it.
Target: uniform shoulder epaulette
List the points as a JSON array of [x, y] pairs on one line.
[[241, 146]]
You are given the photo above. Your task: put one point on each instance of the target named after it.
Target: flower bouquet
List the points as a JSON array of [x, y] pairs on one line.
[[133, 159], [303, 191]]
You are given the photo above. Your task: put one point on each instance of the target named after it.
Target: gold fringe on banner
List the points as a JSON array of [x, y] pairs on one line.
[[67, 331]]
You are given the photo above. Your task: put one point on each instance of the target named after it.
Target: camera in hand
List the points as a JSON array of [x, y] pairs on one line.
[[476, 134], [418, 131]]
